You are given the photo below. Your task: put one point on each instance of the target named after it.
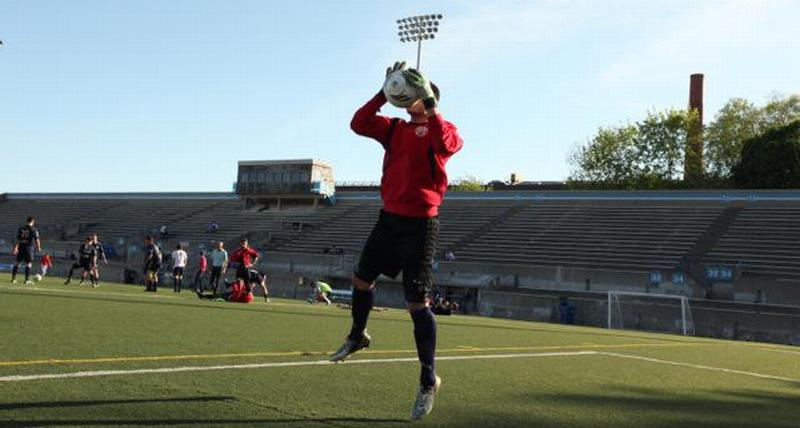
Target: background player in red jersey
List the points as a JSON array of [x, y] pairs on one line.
[[404, 238], [245, 257], [46, 263]]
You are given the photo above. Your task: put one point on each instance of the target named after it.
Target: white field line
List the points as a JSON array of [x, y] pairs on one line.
[[97, 373], [701, 367], [769, 349]]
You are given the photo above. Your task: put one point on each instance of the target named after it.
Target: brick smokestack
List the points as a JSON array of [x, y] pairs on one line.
[[693, 162]]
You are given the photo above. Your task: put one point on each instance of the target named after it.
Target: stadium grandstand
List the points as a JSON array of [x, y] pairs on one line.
[[725, 250]]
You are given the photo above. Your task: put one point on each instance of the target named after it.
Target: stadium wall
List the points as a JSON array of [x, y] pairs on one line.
[[727, 320]]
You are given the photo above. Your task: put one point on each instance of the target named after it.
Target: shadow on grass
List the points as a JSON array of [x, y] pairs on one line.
[[293, 419], [695, 408], [343, 314], [203, 422], [62, 404]]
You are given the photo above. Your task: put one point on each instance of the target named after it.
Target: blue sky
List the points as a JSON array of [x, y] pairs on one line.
[[153, 95]]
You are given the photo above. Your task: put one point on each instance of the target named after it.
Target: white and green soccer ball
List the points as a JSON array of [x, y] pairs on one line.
[[398, 91], [37, 277]]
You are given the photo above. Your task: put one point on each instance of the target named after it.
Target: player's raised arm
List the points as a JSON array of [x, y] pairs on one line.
[[444, 135], [367, 122]]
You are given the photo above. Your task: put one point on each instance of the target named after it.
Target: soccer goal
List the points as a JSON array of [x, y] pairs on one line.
[[651, 312]]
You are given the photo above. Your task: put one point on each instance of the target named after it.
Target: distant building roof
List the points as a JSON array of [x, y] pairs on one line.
[[284, 162]]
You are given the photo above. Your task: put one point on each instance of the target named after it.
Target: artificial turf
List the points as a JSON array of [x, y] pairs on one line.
[[50, 328]]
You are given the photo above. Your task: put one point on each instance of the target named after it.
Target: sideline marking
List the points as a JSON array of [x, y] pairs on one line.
[[98, 373], [700, 366], [766, 347], [56, 361]]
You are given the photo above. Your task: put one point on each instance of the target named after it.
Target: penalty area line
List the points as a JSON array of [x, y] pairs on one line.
[[99, 373], [700, 367]]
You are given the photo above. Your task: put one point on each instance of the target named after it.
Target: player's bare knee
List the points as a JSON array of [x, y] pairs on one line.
[[361, 284]]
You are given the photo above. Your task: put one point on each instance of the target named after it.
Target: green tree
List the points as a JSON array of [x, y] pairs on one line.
[[646, 155], [663, 139], [780, 111], [771, 160], [468, 183], [610, 157], [737, 121]]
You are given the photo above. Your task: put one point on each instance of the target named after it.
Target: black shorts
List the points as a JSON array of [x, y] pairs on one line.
[[24, 254], [177, 271], [243, 273], [398, 243], [152, 267], [87, 264]]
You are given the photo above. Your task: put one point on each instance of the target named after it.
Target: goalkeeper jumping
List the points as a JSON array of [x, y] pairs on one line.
[[404, 237]]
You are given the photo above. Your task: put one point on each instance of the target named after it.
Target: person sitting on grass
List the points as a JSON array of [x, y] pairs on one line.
[[240, 291]]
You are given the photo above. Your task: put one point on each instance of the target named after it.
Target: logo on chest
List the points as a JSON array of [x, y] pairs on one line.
[[421, 131]]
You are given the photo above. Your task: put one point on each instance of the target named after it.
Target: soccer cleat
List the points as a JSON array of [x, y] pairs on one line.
[[28, 282], [13, 281], [351, 347], [424, 403], [80, 284], [67, 282], [95, 285]]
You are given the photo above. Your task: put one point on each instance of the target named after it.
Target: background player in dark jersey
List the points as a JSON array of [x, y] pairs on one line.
[[25, 248], [404, 238], [87, 258], [75, 265], [152, 263], [101, 256]]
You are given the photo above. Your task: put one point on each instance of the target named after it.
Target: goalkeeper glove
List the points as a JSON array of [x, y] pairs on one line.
[[422, 86], [398, 66]]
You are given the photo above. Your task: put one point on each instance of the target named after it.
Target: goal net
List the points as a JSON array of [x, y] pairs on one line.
[[650, 312]]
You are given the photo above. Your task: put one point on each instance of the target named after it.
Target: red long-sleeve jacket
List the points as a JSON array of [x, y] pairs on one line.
[[244, 256], [414, 178]]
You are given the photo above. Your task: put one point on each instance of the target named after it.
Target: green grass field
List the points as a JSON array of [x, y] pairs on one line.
[[114, 338]]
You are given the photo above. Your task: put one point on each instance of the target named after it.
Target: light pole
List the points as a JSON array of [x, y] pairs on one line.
[[418, 28]]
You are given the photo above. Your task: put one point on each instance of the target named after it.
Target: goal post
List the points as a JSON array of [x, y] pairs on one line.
[[666, 313]]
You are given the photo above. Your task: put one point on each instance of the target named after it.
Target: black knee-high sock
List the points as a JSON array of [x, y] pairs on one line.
[[360, 306], [27, 273], [93, 278], [14, 271], [425, 336], [180, 284]]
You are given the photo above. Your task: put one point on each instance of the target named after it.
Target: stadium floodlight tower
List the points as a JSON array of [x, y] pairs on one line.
[[418, 28]]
